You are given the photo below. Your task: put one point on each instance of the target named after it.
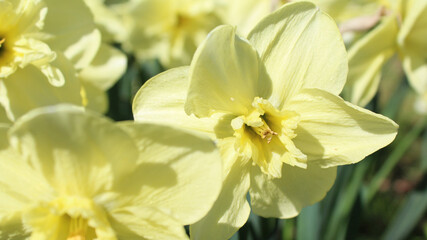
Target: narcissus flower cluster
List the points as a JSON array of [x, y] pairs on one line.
[[254, 123]]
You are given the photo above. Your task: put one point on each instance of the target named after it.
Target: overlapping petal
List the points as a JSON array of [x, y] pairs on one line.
[[161, 100], [412, 42], [366, 59], [149, 223], [73, 149], [28, 88], [70, 23], [17, 191], [246, 13], [231, 209], [180, 171], [285, 197], [300, 47], [94, 98], [106, 68], [224, 77], [333, 132]]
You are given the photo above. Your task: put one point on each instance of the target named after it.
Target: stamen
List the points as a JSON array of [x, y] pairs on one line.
[[264, 131]]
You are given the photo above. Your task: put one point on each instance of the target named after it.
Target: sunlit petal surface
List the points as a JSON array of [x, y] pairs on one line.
[[70, 174]]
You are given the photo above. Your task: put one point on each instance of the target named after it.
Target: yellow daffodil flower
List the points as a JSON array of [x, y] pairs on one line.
[[45, 45], [271, 102], [169, 30], [69, 174]]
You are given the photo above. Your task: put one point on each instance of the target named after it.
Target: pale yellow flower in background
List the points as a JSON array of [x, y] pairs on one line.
[[48, 54], [169, 30], [246, 13], [382, 29], [101, 74], [109, 17], [110, 63], [343, 10], [412, 44], [20, 40], [70, 174], [421, 104], [271, 104]]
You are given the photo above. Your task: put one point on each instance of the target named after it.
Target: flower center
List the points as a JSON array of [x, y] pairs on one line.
[[265, 136], [181, 20], [264, 130], [79, 230]]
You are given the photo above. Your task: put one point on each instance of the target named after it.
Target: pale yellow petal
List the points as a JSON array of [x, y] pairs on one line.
[[413, 44], [334, 8], [72, 148], [333, 132], [108, 19], [245, 14], [342, 10], [300, 47], [73, 31], [416, 70], [285, 197], [231, 210], [145, 223], [224, 75], [94, 98], [180, 173], [4, 119], [148, 23], [18, 192], [366, 59], [106, 68], [28, 88], [161, 100]]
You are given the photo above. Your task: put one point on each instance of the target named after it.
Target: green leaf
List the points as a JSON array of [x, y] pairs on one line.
[[308, 223], [424, 153], [338, 222], [288, 229], [408, 215]]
